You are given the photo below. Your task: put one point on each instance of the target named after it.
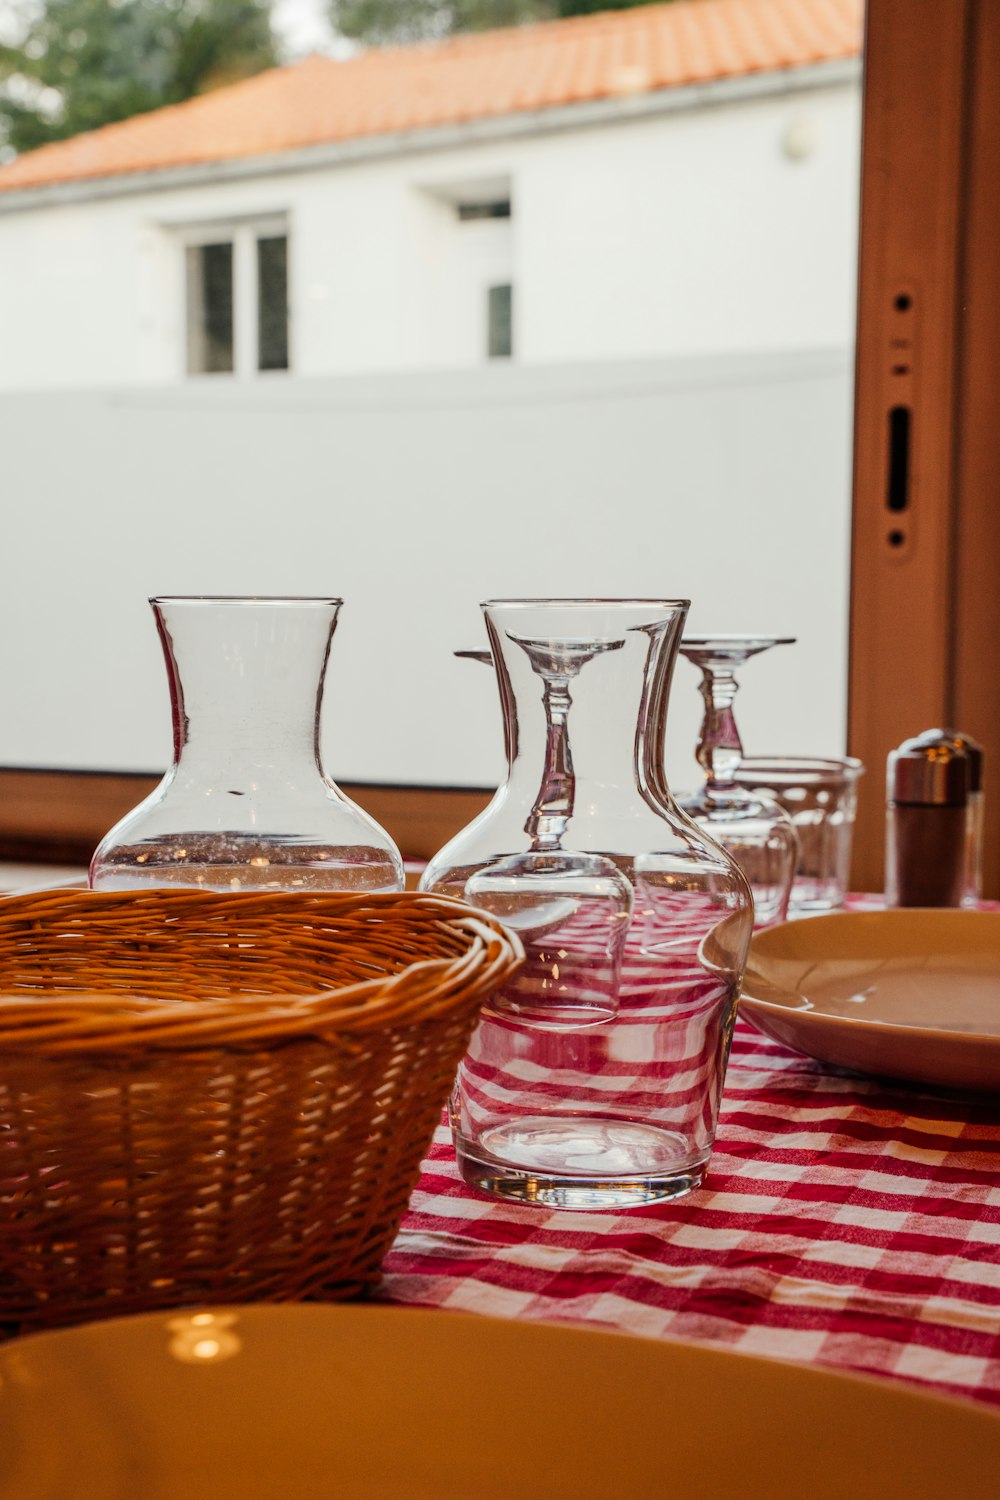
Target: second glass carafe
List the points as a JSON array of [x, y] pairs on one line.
[[594, 1078]]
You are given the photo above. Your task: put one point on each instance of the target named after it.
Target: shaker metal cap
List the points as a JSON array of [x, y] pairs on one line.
[[964, 742], [929, 770]]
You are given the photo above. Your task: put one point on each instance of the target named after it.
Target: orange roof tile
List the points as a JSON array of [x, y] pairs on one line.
[[473, 77]]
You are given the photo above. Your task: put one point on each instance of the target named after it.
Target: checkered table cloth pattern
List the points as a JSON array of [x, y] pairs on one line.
[[843, 1222]]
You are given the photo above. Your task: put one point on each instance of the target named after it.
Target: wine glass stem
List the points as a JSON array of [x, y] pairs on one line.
[[553, 807], [719, 748]]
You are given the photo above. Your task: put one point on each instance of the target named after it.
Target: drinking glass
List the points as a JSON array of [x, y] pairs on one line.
[[757, 832], [821, 798]]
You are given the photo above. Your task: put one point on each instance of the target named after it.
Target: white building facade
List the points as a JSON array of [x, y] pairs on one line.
[[698, 220]]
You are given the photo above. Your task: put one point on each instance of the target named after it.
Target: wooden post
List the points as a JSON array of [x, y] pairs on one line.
[[925, 614]]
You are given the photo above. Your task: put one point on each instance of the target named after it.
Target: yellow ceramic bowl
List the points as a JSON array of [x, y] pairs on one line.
[[377, 1403], [911, 994]]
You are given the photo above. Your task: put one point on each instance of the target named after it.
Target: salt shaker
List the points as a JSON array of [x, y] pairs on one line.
[[928, 780]]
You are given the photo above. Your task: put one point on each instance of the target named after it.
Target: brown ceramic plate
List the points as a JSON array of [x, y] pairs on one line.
[[311, 1403], [911, 994]]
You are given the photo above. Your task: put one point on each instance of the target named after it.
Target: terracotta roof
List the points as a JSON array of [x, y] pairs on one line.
[[474, 77]]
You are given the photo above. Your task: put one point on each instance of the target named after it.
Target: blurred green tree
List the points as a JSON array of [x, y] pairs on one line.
[[72, 65], [378, 21]]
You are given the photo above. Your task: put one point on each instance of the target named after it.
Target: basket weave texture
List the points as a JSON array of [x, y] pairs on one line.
[[208, 1098]]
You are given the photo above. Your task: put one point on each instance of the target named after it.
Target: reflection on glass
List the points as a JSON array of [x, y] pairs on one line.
[[210, 309]]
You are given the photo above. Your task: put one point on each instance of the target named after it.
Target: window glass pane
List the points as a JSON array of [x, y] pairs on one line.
[[210, 309], [500, 327], [272, 303], [498, 208]]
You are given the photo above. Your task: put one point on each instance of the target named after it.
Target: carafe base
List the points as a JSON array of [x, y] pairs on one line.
[[579, 1162]]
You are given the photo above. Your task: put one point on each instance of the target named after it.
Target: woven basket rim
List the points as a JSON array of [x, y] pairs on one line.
[[477, 955]]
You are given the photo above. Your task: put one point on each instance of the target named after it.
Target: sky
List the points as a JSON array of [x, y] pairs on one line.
[[303, 26]]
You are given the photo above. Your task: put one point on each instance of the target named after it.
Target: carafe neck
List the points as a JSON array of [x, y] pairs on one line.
[[584, 692], [246, 686]]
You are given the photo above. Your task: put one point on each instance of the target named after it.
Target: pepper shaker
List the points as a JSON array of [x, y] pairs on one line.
[[927, 822], [976, 758]]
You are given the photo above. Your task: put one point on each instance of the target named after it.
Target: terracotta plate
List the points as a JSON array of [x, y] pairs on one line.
[[285, 1403], [910, 994]]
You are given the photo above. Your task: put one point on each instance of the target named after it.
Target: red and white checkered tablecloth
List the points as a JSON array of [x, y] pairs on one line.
[[843, 1222]]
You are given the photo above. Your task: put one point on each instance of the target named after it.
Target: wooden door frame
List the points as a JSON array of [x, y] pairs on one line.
[[924, 616]]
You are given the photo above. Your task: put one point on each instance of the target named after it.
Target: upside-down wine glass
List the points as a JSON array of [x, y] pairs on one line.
[[757, 832], [538, 890]]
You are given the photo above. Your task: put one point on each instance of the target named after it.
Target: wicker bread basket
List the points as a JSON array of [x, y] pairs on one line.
[[210, 1098]]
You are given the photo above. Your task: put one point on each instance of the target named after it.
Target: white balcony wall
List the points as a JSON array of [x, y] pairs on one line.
[[414, 496]]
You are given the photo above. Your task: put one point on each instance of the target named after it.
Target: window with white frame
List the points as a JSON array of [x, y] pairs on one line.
[[471, 276], [236, 298], [484, 213]]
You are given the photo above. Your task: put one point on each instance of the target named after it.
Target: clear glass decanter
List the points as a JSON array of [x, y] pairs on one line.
[[594, 1078], [246, 804]]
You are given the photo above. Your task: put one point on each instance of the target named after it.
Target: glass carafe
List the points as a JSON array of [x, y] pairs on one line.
[[246, 804], [594, 1078]]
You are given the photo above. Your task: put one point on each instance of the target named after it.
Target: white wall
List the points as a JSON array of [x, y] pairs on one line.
[[695, 233], [414, 497], [690, 232]]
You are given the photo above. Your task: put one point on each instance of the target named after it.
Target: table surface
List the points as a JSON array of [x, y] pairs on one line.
[[844, 1222]]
